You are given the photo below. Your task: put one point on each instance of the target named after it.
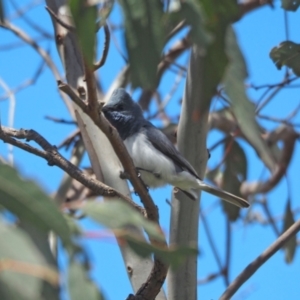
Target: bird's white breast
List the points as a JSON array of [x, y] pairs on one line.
[[147, 157], [161, 169]]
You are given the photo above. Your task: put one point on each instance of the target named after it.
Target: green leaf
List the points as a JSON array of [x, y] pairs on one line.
[[242, 107], [218, 15], [2, 13], [291, 5], [234, 174], [118, 215], [190, 11], [80, 286], [29, 203], [85, 17], [144, 36], [290, 246], [287, 54], [173, 256], [220, 12], [24, 270], [74, 226]]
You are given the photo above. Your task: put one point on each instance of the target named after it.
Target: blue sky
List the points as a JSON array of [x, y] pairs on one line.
[[258, 32]]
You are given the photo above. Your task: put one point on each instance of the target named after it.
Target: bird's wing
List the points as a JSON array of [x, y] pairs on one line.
[[160, 141]]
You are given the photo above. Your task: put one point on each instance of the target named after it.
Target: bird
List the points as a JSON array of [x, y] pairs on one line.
[[154, 156]]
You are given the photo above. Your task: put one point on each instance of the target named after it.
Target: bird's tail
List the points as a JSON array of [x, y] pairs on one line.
[[235, 200]]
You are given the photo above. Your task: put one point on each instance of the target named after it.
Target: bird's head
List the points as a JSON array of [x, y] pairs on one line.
[[120, 103]]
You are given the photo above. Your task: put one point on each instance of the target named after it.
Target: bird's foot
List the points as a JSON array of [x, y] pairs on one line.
[[124, 175], [155, 174]]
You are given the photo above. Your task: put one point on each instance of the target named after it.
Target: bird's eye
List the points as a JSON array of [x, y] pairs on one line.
[[120, 107]]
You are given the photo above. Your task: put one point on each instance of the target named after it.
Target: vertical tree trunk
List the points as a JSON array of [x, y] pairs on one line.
[[192, 130]]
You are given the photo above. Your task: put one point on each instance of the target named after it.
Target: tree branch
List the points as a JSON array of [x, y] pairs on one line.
[[53, 157], [259, 261], [101, 62]]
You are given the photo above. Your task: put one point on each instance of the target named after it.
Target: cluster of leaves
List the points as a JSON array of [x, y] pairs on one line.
[[287, 53], [32, 272], [147, 28]]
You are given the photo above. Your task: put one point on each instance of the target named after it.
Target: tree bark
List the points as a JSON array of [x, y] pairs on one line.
[[192, 131]]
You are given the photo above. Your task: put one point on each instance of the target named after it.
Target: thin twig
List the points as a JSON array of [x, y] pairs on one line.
[[211, 241], [33, 25], [70, 139], [101, 62], [269, 216], [58, 20], [61, 121], [208, 278], [116, 43], [260, 260], [23, 10], [277, 88]]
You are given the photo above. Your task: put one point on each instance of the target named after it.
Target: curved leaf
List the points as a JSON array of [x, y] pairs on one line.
[[84, 16], [144, 36], [172, 256], [24, 270], [291, 5], [118, 215], [29, 203], [290, 246], [287, 54], [242, 107], [234, 174], [80, 286]]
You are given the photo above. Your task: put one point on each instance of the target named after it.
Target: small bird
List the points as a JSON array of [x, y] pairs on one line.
[[155, 157]]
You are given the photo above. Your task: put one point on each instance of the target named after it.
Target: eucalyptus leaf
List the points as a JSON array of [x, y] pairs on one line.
[[287, 54], [218, 16], [80, 285], [190, 11], [290, 246], [28, 202], [242, 107], [234, 174], [118, 215], [85, 17], [291, 5], [173, 256], [144, 37], [24, 269], [220, 11]]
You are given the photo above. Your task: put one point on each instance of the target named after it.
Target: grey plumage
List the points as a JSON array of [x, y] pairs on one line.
[[158, 161]]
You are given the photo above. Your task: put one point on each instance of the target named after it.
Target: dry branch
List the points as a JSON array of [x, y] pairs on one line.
[[53, 157], [260, 260]]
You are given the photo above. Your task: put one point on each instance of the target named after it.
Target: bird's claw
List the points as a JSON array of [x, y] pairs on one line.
[[124, 175]]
